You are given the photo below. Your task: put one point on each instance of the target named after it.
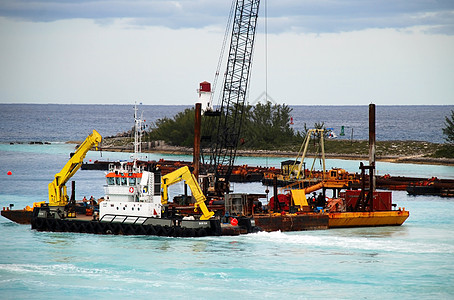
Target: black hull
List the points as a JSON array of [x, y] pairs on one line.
[[96, 227], [423, 190]]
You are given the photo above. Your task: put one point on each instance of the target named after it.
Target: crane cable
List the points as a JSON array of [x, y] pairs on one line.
[[221, 55], [266, 60], [266, 50], [210, 123]]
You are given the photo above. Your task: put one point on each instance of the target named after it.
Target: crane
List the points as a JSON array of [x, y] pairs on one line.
[[297, 166], [57, 188], [185, 174], [223, 130]]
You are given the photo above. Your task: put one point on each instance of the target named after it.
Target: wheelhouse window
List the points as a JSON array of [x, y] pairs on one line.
[[157, 184], [110, 180], [132, 181]]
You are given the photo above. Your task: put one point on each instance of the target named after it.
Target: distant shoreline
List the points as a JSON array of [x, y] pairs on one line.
[[190, 105], [415, 159]]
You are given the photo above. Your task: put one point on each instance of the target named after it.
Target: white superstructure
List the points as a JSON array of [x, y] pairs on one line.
[[130, 191]]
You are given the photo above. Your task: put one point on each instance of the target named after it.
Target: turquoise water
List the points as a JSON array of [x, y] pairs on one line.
[[415, 260], [391, 262]]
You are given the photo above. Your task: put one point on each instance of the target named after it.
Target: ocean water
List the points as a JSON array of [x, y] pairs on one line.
[[56, 122], [415, 260]]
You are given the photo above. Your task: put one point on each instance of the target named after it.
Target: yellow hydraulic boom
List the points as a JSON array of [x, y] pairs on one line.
[[305, 144], [186, 175], [57, 188]]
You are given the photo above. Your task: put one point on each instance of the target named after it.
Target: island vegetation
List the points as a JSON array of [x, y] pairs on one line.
[[264, 126], [447, 149], [266, 130]]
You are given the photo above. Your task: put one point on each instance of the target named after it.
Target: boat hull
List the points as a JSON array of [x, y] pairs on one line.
[[268, 223], [367, 219], [50, 219], [19, 216], [292, 222], [212, 228]]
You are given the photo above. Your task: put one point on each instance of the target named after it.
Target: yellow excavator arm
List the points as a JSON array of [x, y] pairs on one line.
[[298, 166], [185, 174], [57, 188]]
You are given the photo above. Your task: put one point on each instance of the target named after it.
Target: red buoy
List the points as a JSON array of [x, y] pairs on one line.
[[234, 222], [9, 173]]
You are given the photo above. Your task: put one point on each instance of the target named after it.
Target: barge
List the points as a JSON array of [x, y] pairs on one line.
[[136, 202], [20, 216]]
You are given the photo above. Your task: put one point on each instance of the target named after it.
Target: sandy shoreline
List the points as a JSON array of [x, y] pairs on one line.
[[415, 159]]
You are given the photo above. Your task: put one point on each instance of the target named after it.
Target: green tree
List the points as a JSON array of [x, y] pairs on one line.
[[178, 131], [266, 126], [448, 131], [447, 149]]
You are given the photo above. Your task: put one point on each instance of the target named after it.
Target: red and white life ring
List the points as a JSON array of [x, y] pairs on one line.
[[131, 190]]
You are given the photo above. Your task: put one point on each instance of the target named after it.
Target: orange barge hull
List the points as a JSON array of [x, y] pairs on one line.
[[290, 222], [367, 219]]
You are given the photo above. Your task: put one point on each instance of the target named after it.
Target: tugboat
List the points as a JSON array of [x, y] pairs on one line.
[[133, 203]]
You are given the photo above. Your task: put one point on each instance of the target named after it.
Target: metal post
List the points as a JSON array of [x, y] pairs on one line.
[[276, 199], [372, 143], [73, 191], [322, 135], [196, 151]]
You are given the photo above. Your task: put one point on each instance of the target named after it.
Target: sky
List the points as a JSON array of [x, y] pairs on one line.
[[314, 52]]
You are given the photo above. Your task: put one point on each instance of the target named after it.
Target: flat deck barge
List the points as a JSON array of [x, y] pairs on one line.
[[260, 222]]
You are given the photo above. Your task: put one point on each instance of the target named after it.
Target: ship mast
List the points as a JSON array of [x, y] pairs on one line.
[[137, 135]]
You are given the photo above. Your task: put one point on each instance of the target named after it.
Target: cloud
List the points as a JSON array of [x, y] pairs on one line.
[[310, 16], [326, 52], [78, 61], [343, 16], [171, 14]]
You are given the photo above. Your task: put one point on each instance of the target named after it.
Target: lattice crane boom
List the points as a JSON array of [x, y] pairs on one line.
[[224, 140]]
